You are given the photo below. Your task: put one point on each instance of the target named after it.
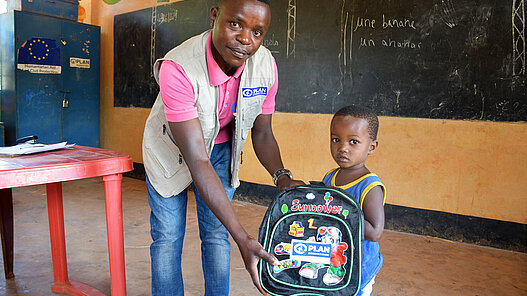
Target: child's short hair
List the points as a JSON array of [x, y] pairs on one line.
[[364, 113]]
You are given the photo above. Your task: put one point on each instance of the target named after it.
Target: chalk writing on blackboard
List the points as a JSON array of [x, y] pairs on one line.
[[448, 13], [153, 26], [385, 23], [291, 27], [518, 37], [272, 43], [167, 17]]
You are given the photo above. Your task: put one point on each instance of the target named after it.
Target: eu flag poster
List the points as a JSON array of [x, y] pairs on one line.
[[39, 55]]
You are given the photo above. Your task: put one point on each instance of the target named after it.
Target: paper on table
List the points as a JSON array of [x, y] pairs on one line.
[[27, 148]]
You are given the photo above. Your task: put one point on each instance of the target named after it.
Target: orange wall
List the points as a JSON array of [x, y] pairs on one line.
[[475, 168]]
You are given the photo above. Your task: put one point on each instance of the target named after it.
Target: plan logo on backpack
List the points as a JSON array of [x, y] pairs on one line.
[[317, 234]]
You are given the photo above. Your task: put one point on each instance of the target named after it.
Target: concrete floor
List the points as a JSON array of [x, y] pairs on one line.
[[413, 265]]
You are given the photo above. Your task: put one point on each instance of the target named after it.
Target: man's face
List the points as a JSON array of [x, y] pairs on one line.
[[239, 27]]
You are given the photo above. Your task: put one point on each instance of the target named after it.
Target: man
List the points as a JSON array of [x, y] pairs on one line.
[[214, 89]]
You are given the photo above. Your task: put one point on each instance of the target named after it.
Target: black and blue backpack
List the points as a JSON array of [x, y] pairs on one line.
[[317, 234]]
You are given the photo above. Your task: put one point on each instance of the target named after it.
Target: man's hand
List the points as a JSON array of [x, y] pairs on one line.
[[251, 252], [285, 182]]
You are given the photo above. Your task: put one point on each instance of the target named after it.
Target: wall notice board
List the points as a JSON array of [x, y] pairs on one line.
[[452, 59]]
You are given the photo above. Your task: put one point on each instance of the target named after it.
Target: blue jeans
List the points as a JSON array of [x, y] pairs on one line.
[[167, 228]]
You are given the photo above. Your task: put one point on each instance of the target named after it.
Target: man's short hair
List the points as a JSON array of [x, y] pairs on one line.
[[364, 113], [268, 2]]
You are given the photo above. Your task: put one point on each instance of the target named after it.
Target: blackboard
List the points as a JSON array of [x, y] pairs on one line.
[[451, 59], [142, 36]]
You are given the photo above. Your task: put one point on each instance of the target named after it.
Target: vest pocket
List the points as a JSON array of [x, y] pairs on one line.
[[208, 124], [165, 155], [251, 112]]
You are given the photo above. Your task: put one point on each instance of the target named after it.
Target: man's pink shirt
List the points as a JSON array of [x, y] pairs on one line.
[[178, 94]]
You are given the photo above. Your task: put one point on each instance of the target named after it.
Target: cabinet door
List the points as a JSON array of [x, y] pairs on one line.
[[37, 81], [81, 47]]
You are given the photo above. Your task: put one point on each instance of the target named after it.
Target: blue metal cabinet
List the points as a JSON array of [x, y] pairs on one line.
[[68, 9], [50, 79]]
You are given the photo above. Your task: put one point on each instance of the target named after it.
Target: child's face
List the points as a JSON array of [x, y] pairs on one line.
[[350, 141]]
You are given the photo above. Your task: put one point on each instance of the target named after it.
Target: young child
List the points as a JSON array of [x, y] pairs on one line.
[[353, 138]]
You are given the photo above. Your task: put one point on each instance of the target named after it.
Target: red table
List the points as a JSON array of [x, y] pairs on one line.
[[52, 168]]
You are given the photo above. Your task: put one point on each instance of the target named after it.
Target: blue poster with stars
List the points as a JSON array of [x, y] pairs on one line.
[[39, 55]]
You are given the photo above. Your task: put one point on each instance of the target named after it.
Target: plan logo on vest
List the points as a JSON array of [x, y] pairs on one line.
[[253, 92]]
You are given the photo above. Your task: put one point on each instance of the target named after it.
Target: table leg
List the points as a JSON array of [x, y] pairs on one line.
[[57, 237], [58, 247], [6, 229], [114, 224]]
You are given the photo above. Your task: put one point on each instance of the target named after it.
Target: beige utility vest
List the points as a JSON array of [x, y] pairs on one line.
[[164, 164]]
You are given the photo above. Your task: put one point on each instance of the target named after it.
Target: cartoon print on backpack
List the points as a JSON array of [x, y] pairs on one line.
[[286, 264], [296, 229], [335, 271], [283, 249]]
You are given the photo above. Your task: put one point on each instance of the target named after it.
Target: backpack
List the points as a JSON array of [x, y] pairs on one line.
[[317, 234]]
